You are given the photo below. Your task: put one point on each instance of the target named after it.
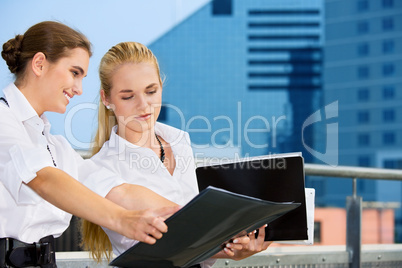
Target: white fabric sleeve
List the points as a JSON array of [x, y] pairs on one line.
[[17, 172], [28, 161], [21, 169], [20, 160], [97, 178]]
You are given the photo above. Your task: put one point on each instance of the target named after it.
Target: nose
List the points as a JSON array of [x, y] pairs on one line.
[[141, 103], [77, 89]]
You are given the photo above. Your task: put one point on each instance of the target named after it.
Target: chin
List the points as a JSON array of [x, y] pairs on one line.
[[61, 110]]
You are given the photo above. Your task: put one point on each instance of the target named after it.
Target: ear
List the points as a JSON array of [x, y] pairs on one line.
[[103, 97], [38, 61]]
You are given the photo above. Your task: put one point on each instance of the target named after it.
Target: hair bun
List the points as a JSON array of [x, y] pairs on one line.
[[11, 52]]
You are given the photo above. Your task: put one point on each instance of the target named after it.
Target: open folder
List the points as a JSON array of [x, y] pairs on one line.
[[198, 230], [278, 178]]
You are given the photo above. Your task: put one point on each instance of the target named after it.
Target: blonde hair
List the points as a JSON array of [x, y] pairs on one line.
[[94, 239]]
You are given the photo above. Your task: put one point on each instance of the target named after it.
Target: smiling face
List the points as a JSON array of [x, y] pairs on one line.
[[62, 80], [135, 97]]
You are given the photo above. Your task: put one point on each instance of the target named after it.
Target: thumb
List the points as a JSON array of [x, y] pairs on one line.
[[166, 212]]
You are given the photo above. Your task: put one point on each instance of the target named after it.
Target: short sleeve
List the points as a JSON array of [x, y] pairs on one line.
[[20, 160], [98, 178]]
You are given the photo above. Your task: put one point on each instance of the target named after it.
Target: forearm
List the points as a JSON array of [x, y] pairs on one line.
[[63, 191], [66, 193], [136, 197]]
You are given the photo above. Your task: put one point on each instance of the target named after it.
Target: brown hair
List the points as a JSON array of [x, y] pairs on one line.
[[94, 239], [52, 38]]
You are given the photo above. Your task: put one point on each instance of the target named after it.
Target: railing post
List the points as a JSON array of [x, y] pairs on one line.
[[353, 227]]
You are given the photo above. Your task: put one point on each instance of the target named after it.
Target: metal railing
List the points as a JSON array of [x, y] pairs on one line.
[[353, 172], [352, 255], [354, 202], [389, 256]]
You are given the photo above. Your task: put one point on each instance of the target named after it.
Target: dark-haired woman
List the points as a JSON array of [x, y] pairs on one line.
[[39, 173]]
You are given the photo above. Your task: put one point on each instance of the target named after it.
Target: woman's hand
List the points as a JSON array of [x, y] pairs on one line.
[[146, 225], [145, 212], [241, 247]]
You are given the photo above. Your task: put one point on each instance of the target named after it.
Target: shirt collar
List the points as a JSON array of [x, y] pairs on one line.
[[118, 145], [18, 103], [170, 134], [23, 110]]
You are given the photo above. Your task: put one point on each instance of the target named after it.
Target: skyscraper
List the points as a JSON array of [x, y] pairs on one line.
[[242, 76], [363, 72]]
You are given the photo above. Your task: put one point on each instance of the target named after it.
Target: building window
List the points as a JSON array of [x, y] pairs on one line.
[[222, 7], [388, 115], [388, 24], [387, 3], [392, 163], [317, 232], [363, 49], [363, 94], [362, 27], [388, 69], [362, 5], [363, 72], [388, 46], [363, 117], [364, 161], [363, 139], [388, 138], [388, 93]]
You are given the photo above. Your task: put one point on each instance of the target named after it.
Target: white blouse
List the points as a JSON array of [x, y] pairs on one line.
[[141, 166], [24, 138]]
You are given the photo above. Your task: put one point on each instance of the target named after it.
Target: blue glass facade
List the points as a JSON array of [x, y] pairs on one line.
[[242, 76], [363, 72]]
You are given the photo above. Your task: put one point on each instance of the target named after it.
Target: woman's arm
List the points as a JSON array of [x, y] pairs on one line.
[[63, 191], [137, 197]]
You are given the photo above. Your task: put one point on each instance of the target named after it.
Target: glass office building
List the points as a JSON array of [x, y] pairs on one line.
[[242, 76], [363, 72]]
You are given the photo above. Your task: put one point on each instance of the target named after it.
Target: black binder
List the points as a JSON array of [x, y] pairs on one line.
[[277, 178], [198, 230]]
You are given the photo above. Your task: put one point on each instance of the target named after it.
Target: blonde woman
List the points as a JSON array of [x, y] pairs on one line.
[[141, 150]]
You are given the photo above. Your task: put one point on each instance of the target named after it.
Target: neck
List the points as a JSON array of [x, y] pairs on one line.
[[32, 96], [143, 139]]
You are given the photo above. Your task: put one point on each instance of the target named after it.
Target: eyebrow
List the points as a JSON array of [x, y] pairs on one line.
[[151, 85], [125, 91], [130, 90], [79, 69]]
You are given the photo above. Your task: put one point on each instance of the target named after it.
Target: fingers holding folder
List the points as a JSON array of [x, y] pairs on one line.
[[243, 246]]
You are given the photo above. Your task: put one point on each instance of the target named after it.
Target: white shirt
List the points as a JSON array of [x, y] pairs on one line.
[[141, 166], [24, 138]]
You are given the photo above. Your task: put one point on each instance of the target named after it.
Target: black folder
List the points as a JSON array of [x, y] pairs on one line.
[[198, 230], [278, 178]]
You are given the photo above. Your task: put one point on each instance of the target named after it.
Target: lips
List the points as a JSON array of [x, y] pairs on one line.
[[143, 117], [67, 96]]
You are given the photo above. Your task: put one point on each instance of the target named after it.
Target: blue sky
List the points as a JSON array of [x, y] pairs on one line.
[[105, 23]]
